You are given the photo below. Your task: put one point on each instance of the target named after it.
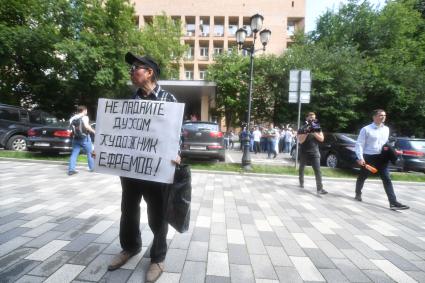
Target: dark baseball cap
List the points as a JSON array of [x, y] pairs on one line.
[[131, 59]]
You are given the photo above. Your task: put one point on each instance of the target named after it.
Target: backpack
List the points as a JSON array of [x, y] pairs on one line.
[[78, 129]]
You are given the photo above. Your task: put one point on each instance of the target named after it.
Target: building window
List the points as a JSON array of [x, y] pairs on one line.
[[189, 75], [190, 29], [202, 74], [233, 29], [218, 50], [218, 30], [189, 53], [291, 28], [203, 51]]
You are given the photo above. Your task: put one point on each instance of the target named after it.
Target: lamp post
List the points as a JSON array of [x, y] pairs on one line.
[[241, 33]]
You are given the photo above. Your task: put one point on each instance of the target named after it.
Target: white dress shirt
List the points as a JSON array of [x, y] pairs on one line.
[[371, 139]]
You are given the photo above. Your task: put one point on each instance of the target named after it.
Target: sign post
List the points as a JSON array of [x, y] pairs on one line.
[[299, 92]]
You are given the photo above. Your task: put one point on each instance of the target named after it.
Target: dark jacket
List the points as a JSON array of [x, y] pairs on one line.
[[388, 153]]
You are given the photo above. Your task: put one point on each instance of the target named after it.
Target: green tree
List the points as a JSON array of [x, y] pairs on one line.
[[57, 54]]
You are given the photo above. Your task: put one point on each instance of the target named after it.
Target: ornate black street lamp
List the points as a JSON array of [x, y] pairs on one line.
[[241, 33]]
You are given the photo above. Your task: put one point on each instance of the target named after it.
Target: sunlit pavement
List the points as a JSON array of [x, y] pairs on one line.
[[244, 228]]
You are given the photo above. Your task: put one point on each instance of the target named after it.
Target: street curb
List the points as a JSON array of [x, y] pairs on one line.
[[265, 175]]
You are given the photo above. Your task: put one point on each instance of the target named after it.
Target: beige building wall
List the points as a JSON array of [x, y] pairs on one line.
[[209, 26]]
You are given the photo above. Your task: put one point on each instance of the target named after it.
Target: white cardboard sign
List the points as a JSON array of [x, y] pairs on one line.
[[138, 138]]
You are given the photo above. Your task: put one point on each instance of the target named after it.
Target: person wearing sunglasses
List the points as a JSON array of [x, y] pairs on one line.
[[144, 73]]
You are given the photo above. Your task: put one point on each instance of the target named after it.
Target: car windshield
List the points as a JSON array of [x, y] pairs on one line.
[[200, 127], [418, 145]]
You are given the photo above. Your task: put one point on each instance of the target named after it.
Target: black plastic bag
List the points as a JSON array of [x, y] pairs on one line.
[[178, 197]]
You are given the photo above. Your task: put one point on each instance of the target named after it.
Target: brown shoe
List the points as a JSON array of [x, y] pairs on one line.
[[154, 272], [120, 259]]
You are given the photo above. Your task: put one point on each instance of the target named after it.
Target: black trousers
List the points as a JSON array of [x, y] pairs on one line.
[[130, 237], [382, 166], [315, 163]]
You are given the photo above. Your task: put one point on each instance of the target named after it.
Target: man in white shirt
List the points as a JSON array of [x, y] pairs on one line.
[[257, 137], [368, 150]]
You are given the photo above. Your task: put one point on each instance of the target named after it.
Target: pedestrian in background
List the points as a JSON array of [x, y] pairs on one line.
[[81, 142], [309, 136]]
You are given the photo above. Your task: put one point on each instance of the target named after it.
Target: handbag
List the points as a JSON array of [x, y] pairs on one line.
[[178, 198]]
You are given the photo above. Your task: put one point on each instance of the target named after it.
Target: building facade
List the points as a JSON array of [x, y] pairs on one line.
[[210, 26]]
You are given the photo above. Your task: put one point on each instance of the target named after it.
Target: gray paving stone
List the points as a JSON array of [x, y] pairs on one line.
[[117, 276], [11, 217], [43, 239], [217, 279], [53, 263], [96, 269], [181, 241], [255, 245], [241, 274], [291, 247], [30, 279], [278, 256], [262, 267], [238, 254], [15, 232], [270, 239], [108, 236], [198, 251], [288, 274], [174, 260], [11, 225], [68, 224], [85, 256], [201, 234], [14, 256], [405, 244], [350, 270], [218, 243], [139, 273], [193, 272], [80, 243], [378, 276], [333, 276], [319, 259], [13, 273], [417, 275], [338, 241], [38, 231], [399, 261], [14, 243], [358, 259]]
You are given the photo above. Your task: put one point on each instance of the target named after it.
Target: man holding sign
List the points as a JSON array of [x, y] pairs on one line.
[[149, 99]]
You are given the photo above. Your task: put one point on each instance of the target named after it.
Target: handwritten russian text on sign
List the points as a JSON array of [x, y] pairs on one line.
[[138, 138]]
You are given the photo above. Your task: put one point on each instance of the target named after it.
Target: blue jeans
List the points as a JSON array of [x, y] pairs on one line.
[[382, 166], [77, 144], [271, 148]]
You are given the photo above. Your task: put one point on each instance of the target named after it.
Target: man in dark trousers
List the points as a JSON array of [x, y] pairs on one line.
[[144, 74], [309, 137], [369, 147]]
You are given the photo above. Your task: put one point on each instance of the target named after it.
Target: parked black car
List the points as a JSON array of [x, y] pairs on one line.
[[50, 139], [412, 156], [337, 150], [56, 138], [15, 122], [202, 139]]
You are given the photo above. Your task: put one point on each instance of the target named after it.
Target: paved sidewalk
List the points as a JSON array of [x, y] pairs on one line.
[[56, 228]]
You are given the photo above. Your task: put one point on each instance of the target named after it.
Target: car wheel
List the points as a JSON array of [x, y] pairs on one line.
[[293, 153], [222, 158], [332, 160], [17, 143]]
